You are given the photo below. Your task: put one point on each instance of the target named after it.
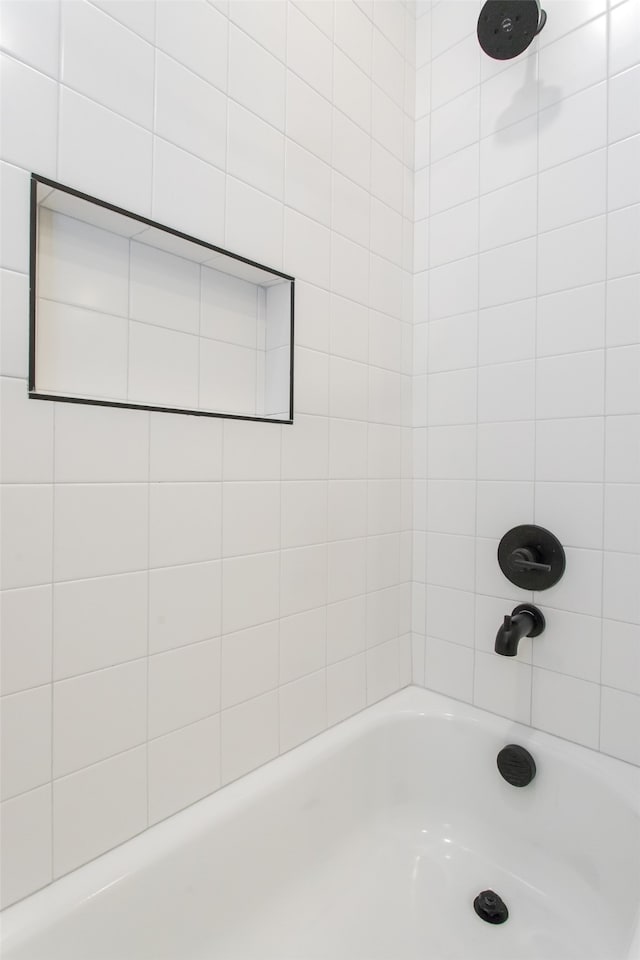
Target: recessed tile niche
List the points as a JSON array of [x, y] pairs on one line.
[[127, 312]]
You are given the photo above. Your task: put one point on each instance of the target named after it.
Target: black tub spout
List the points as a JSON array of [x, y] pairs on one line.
[[525, 620]]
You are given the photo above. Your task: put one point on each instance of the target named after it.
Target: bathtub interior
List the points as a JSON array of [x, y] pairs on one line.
[[372, 842]]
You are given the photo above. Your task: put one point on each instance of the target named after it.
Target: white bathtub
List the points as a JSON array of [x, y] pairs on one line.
[[371, 841]]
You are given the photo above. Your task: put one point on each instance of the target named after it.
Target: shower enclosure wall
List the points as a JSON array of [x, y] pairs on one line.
[[183, 599]]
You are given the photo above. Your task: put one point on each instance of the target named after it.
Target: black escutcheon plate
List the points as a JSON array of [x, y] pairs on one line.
[[544, 545]]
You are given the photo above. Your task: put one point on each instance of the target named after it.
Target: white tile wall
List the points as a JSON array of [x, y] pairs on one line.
[[182, 598], [548, 144], [115, 699], [275, 560], [99, 623]]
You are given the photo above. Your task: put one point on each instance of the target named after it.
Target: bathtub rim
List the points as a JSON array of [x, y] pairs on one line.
[[68, 892]]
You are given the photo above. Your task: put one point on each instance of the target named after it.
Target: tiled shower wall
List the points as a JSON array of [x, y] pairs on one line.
[[527, 363], [184, 598]]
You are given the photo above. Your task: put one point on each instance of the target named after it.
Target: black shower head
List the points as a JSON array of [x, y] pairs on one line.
[[507, 27]]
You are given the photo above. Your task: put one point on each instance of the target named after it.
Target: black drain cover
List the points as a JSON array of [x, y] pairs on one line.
[[516, 765], [490, 907]]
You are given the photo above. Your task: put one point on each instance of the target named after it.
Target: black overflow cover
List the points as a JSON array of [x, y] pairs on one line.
[[490, 907], [516, 765]]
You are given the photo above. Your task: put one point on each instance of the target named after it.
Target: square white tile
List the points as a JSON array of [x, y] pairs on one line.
[[303, 578], [31, 95], [621, 655], [99, 623], [503, 686], [249, 736], [250, 588], [196, 36], [100, 529], [448, 669], [303, 709], [25, 638], [249, 663], [26, 513], [619, 725], [256, 78], [26, 740], [87, 62], [346, 628], [97, 444], [19, 418], [25, 824], [184, 523], [184, 686], [305, 512], [183, 767], [103, 154], [185, 447], [163, 368], [164, 289], [32, 39], [346, 688], [115, 699], [250, 518], [184, 605], [566, 707], [383, 670]]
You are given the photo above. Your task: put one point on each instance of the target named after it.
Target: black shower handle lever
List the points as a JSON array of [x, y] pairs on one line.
[[523, 558]]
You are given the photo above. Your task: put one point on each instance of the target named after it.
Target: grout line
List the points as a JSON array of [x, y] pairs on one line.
[[279, 604], [329, 368], [58, 82], [476, 434], [154, 109], [221, 614], [281, 450], [228, 101], [367, 539], [604, 383], [53, 608], [148, 616], [148, 620], [128, 346], [338, 479], [199, 359], [425, 625], [149, 418], [329, 365], [536, 371]]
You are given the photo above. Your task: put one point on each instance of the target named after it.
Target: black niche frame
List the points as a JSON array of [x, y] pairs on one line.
[[36, 179]]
